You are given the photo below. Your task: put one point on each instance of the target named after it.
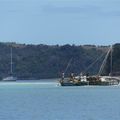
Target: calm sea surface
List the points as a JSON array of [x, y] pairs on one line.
[[47, 101]]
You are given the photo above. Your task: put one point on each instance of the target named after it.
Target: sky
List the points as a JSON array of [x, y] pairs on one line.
[[60, 21]]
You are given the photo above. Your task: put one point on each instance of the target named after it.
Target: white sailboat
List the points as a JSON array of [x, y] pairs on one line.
[[10, 77], [113, 80], [105, 80]]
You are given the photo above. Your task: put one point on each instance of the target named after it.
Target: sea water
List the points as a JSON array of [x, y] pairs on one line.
[[48, 101]]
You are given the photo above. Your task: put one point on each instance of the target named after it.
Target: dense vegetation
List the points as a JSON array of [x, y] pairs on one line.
[[43, 61]]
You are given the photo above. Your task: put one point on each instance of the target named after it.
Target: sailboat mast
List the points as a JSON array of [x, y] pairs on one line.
[[11, 68], [111, 60]]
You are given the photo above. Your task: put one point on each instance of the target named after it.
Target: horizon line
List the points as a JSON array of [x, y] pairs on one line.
[[72, 44]]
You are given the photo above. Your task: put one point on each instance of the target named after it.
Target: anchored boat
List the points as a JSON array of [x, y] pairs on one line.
[[74, 81], [82, 80], [10, 77]]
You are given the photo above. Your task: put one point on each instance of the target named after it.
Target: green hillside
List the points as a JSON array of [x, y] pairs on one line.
[[43, 61]]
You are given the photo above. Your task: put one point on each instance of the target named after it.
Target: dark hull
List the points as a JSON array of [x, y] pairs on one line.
[[102, 83], [74, 84], [98, 83]]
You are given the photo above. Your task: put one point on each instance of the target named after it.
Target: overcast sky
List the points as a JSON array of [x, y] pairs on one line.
[[60, 21]]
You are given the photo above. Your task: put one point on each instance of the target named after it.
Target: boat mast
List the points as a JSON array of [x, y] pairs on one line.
[[111, 60], [11, 67]]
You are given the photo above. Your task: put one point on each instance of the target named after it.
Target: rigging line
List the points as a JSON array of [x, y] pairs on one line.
[[94, 62], [104, 62], [68, 65]]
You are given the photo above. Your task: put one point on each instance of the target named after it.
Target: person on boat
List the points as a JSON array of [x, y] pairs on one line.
[[110, 74], [81, 76], [98, 78], [63, 76], [71, 76]]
